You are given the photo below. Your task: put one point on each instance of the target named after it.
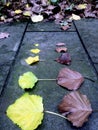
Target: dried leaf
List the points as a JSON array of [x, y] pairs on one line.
[[66, 27], [69, 79], [27, 80], [82, 6], [35, 51], [53, 1], [36, 44], [18, 11], [61, 49], [30, 60], [8, 3], [37, 18], [64, 59], [44, 2], [27, 111], [76, 17], [27, 13], [76, 107], [4, 35]]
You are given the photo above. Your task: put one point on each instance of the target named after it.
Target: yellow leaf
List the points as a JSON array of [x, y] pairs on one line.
[[37, 18], [8, 3], [27, 13], [75, 17], [27, 5], [27, 80], [35, 51], [27, 111], [3, 18], [82, 6], [31, 60], [36, 44], [18, 11]]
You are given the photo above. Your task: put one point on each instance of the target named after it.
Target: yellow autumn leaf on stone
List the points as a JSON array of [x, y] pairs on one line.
[[27, 13], [37, 18], [27, 111], [82, 6], [76, 17], [36, 44], [18, 11], [27, 5], [35, 51], [30, 60], [27, 80], [8, 3]]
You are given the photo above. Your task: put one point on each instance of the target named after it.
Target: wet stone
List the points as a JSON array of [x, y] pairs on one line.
[[9, 47], [88, 30], [47, 26], [48, 68], [96, 65]]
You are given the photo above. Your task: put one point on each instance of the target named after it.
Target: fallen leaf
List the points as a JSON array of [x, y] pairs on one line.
[[63, 23], [69, 79], [53, 1], [61, 49], [76, 107], [66, 27], [18, 11], [27, 80], [36, 44], [82, 6], [37, 18], [27, 13], [64, 59], [4, 35], [76, 17], [44, 2], [35, 51], [27, 111], [89, 14], [70, 8], [30, 60], [8, 3]]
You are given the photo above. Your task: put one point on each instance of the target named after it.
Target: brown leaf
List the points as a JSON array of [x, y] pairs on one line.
[[77, 108], [4, 35], [64, 59], [61, 49], [66, 27], [44, 2], [69, 79]]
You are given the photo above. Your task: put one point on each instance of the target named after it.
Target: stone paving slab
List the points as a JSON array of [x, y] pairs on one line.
[[47, 26], [49, 90], [8, 48], [88, 30]]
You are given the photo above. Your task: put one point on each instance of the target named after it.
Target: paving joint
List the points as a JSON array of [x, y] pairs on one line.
[[89, 57], [13, 62]]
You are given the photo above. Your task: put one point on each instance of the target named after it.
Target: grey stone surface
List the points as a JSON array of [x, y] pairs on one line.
[[48, 68], [8, 47], [47, 26], [88, 29], [96, 66]]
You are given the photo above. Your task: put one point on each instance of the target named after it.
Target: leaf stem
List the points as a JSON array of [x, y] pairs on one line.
[[95, 110], [53, 113], [41, 60], [47, 79]]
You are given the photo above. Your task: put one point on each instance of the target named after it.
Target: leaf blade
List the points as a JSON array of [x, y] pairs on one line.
[[27, 111]]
